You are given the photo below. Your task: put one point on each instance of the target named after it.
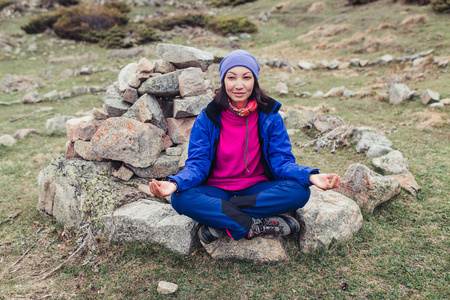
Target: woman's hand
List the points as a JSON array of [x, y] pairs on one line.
[[322, 181], [162, 188]]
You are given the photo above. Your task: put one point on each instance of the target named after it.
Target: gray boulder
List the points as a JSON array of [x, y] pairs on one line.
[[328, 216], [31, 97], [190, 106], [125, 75], [430, 96], [392, 163], [164, 166], [297, 118], [398, 92], [378, 150], [129, 141], [366, 187], [147, 110], [184, 57], [113, 103], [57, 125], [7, 140], [51, 96], [368, 139], [260, 249], [153, 222], [162, 86], [77, 192]]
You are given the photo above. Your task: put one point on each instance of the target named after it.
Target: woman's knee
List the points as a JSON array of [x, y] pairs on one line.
[[300, 194]]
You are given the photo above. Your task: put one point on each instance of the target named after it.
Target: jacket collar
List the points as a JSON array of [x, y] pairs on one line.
[[212, 110]]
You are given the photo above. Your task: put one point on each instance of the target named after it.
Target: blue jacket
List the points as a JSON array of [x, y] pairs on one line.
[[278, 160]]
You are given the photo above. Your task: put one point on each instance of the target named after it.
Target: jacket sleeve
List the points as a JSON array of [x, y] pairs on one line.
[[280, 155], [198, 162]]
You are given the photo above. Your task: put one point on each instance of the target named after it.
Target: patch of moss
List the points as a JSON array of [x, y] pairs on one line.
[[440, 6], [232, 25]]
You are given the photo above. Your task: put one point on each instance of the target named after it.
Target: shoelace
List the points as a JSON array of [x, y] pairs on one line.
[[262, 227]]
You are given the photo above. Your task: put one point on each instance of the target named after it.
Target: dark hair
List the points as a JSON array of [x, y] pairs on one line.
[[221, 97]]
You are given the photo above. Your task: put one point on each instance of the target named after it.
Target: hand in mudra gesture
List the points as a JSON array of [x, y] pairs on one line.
[[162, 188], [325, 181]]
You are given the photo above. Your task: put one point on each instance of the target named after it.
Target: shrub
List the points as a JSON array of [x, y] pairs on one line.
[[360, 2], [5, 3], [419, 2], [441, 6], [120, 6], [184, 20], [220, 3], [76, 22], [231, 25], [221, 25], [40, 22], [56, 3]]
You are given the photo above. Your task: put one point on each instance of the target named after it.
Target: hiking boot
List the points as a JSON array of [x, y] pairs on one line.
[[279, 225], [208, 235]]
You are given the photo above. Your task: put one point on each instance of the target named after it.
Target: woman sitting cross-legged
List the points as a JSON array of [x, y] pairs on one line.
[[240, 177]]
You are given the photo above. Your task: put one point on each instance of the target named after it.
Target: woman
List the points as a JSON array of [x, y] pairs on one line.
[[240, 176]]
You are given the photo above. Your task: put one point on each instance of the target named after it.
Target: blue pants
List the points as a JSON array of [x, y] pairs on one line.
[[233, 210]]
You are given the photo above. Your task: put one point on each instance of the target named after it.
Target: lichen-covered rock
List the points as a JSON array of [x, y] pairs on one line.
[[129, 141], [368, 139], [184, 57], [164, 166], [76, 191], [153, 222], [366, 187], [260, 249], [328, 216], [392, 163], [162, 86]]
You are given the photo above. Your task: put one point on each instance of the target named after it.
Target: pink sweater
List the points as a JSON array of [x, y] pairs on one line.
[[230, 172]]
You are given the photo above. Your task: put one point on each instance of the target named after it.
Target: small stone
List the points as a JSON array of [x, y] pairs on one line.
[[305, 65], [392, 163], [445, 101], [51, 96], [334, 64], [282, 88], [407, 182], [437, 105], [363, 62], [318, 94], [430, 96], [123, 173], [23, 133], [7, 140], [335, 92], [378, 150], [99, 114], [32, 97], [174, 151]]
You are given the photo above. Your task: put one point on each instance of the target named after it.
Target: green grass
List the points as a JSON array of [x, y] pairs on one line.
[[400, 253]]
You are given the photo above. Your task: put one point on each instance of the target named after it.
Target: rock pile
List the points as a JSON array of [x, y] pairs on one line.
[[142, 130], [147, 114]]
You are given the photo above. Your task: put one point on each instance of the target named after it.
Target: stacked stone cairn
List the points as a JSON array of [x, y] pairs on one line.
[[141, 133]]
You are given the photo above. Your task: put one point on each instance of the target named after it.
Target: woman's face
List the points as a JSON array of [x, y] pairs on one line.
[[239, 82]]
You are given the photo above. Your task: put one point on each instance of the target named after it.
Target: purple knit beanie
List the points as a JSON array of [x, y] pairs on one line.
[[238, 58]]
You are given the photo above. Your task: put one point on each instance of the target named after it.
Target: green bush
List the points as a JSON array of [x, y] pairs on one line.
[[40, 22], [192, 20], [221, 25], [5, 3], [360, 2], [120, 6], [220, 3], [55, 3], [441, 6], [76, 22], [231, 25]]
